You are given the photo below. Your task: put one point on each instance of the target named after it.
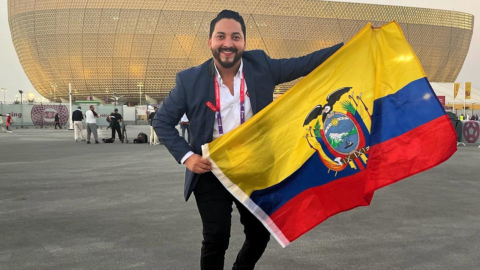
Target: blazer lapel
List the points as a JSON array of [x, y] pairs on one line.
[[210, 117], [248, 71]]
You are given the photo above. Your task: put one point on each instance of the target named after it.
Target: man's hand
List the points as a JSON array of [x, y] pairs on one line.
[[198, 164]]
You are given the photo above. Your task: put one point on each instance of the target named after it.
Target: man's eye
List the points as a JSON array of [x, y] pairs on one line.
[[236, 37]]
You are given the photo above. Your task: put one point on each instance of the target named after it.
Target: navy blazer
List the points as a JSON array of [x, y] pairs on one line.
[[195, 87]]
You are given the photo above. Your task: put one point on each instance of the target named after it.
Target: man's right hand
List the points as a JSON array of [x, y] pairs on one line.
[[198, 164]]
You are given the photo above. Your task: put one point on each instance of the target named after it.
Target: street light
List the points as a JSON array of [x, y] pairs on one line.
[[21, 96], [4, 90], [140, 85], [54, 85]]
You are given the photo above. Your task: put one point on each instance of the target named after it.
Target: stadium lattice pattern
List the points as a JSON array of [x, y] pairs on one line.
[[106, 46]]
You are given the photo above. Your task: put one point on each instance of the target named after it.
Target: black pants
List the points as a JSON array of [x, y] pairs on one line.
[[116, 128], [214, 203], [57, 124]]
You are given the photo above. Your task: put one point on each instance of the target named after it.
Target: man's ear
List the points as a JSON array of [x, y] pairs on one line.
[[210, 43]]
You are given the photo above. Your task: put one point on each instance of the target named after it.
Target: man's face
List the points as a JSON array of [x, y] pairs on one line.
[[227, 43], [92, 108]]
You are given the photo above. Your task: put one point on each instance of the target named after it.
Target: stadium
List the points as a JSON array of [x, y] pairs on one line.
[[135, 48]]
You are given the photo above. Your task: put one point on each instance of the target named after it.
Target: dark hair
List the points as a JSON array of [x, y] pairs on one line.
[[228, 14]]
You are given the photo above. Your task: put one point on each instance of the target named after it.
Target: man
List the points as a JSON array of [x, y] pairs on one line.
[[153, 136], [116, 118], [91, 116], [184, 126], [77, 118], [230, 74], [57, 121]]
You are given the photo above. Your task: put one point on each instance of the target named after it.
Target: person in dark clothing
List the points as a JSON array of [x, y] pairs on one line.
[[57, 121], [77, 118], [115, 119], [109, 121], [219, 77]]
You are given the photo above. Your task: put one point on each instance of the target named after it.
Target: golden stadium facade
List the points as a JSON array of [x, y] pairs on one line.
[[106, 46]]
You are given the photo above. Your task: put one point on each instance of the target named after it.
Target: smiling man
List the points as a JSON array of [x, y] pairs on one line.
[[218, 96]]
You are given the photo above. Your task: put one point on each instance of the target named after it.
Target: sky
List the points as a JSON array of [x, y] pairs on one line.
[[13, 78]]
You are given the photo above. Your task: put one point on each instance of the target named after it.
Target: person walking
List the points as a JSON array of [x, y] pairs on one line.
[[218, 96], [184, 126], [91, 117], [116, 118], [77, 118], [57, 121], [153, 136], [9, 121]]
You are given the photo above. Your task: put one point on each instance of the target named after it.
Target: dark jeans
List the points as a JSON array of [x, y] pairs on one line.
[[57, 124], [214, 203], [116, 128]]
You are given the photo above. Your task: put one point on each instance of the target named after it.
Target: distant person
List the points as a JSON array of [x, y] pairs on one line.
[[115, 119], [91, 116], [184, 126], [57, 121], [153, 136], [461, 117], [9, 121], [77, 118], [476, 117]]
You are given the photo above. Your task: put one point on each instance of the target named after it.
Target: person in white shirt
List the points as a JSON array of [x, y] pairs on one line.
[[184, 126], [153, 136], [91, 117]]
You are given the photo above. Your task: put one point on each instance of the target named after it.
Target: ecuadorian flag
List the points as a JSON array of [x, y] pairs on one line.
[[364, 119]]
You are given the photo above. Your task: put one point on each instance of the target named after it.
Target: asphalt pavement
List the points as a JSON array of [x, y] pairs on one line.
[[69, 205]]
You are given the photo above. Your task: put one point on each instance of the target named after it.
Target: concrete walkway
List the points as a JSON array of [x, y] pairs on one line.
[[67, 205]]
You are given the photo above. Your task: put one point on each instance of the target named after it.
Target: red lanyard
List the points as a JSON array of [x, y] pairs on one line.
[[242, 103]]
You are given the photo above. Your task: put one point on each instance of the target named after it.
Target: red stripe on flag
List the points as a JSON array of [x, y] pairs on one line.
[[410, 153], [403, 156]]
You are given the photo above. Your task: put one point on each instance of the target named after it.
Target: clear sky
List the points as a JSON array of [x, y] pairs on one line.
[[13, 77]]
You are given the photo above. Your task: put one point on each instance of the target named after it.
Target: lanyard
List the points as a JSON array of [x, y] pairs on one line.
[[242, 103]]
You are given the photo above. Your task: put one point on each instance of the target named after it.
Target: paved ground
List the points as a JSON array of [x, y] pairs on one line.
[[67, 205]]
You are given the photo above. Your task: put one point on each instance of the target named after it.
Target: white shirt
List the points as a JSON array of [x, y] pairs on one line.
[[229, 106], [91, 119], [184, 118]]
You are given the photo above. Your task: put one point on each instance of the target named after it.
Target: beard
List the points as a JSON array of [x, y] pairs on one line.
[[228, 63]]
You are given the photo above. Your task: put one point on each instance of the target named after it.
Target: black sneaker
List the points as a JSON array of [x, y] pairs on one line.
[[96, 142], [88, 142]]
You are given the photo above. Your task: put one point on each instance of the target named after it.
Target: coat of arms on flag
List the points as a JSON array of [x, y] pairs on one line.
[[366, 118]]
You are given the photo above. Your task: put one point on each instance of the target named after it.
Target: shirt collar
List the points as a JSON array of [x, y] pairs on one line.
[[219, 77]]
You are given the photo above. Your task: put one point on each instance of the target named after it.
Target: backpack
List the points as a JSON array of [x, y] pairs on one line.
[[141, 138], [108, 140]]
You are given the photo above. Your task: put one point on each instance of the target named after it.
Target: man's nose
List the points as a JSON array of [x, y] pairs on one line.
[[228, 42]]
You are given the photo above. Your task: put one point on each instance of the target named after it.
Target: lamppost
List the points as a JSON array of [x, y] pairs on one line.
[[140, 85], [54, 85], [472, 107], [4, 90], [106, 90], [21, 96]]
